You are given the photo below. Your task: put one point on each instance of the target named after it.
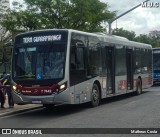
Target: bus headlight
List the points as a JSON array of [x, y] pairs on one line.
[[14, 87], [16, 90], [62, 87]]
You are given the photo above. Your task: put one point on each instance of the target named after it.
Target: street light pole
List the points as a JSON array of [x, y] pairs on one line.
[[112, 20]]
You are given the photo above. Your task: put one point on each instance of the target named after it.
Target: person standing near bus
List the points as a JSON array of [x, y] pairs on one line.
[[2, 98], [8, 91], [2, 87]]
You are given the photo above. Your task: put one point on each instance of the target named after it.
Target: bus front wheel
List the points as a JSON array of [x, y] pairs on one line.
[[139, 87], [95, 96]]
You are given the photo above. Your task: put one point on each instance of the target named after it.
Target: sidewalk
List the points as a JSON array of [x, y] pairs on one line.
[[17, 108]]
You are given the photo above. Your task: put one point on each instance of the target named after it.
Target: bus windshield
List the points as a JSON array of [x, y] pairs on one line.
[[40, 62], [156, 62]]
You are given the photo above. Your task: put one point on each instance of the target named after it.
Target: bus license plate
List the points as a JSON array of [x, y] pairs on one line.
[[37, 102]]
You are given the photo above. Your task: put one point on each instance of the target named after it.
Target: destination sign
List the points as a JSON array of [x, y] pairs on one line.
[[47, 38]]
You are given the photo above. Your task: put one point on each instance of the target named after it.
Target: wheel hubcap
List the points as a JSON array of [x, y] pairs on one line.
[[95, 95]]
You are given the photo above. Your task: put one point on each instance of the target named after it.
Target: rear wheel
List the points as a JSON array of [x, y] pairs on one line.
[[139, 87], [95, 96]]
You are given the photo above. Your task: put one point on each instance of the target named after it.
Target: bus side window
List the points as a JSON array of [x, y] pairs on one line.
[[73, 62], [80, 58], [77, 59], [77, 67], [73, 58]]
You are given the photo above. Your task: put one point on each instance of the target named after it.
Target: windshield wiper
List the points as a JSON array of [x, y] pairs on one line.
[[27, 76]]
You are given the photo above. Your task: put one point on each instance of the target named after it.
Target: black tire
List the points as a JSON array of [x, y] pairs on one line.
[[20, 104], [95, 96], [48, 106], [139, 87]]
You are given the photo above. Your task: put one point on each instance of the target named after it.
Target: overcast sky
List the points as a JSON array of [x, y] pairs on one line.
[[141, 20]]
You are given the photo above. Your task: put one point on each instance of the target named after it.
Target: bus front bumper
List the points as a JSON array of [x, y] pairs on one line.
[[43, 99]]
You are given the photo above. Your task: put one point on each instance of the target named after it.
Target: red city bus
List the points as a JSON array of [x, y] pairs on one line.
[[64, 66]]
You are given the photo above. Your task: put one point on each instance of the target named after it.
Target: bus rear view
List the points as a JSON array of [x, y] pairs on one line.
[[38, 67], [156, 65]]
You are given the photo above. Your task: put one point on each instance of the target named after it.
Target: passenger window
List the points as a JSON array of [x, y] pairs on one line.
[[77, 64], [77, 59], [80, 59]]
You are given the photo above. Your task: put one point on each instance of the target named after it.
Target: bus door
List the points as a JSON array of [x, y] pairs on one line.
[[129, 64], [110, 70], [78, 72]]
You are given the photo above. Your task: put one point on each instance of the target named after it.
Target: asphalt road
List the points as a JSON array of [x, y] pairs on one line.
[[126, 111]]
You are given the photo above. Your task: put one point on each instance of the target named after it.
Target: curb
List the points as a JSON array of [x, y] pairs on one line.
[[7, 113]]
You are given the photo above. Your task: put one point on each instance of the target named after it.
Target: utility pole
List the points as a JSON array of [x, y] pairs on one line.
[[112, 20]]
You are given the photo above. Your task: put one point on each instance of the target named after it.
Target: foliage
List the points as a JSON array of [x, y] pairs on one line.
[[85, 15], [148, 40], [4, 35], [3, 10], [124, 33], [141, 38], [155, 34], [22, 20]]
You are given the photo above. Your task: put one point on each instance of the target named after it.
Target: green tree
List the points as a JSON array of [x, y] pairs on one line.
[[4, 35], [85, 15], [3, 9], [148, 40], [155, 34], [124, 33]]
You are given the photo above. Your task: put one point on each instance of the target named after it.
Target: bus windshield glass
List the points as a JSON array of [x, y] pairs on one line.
[[156, 61], [40, 62]]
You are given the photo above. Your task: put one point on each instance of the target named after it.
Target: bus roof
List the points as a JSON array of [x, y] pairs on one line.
[[103, 38], [116, 39]]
